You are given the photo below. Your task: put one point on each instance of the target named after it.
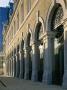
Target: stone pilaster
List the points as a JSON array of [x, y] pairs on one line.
[[48, 57], [27, 58], [65, 55], [35, 61]]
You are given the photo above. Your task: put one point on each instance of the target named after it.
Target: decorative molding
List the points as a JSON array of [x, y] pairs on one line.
[[50, 12], [40, 20], [62, 3], [57, 17]]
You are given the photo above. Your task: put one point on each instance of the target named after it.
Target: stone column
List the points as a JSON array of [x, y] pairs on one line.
[[21, 63], [27, 58], [65, 55], [61, 55], [14, 65], [35, 61], [17, 65], [9, 67], [48, 58]]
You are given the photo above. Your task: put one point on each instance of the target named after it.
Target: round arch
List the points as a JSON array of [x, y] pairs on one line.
[[37, 28], [51, 10], [27, 39], [22, 44], [57, 12]]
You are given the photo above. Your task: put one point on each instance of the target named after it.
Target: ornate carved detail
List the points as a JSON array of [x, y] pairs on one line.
[[57, 17]]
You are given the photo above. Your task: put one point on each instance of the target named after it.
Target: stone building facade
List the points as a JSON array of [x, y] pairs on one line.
[[36, 41], [2, 63]]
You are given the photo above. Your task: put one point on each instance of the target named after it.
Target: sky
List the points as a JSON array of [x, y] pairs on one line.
[[4, 3]]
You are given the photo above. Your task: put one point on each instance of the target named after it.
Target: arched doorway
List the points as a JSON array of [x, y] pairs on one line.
[[39, 45], [57, 27]]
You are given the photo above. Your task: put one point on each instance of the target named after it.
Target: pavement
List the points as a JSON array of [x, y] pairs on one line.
[[10, 83]]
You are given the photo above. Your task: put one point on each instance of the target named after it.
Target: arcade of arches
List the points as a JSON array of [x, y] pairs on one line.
[[44, 59]]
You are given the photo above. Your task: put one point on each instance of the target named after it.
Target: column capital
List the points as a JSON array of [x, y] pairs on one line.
[[15, 55], [19, 52], [28, 48], [34, 45], [48, 35]]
